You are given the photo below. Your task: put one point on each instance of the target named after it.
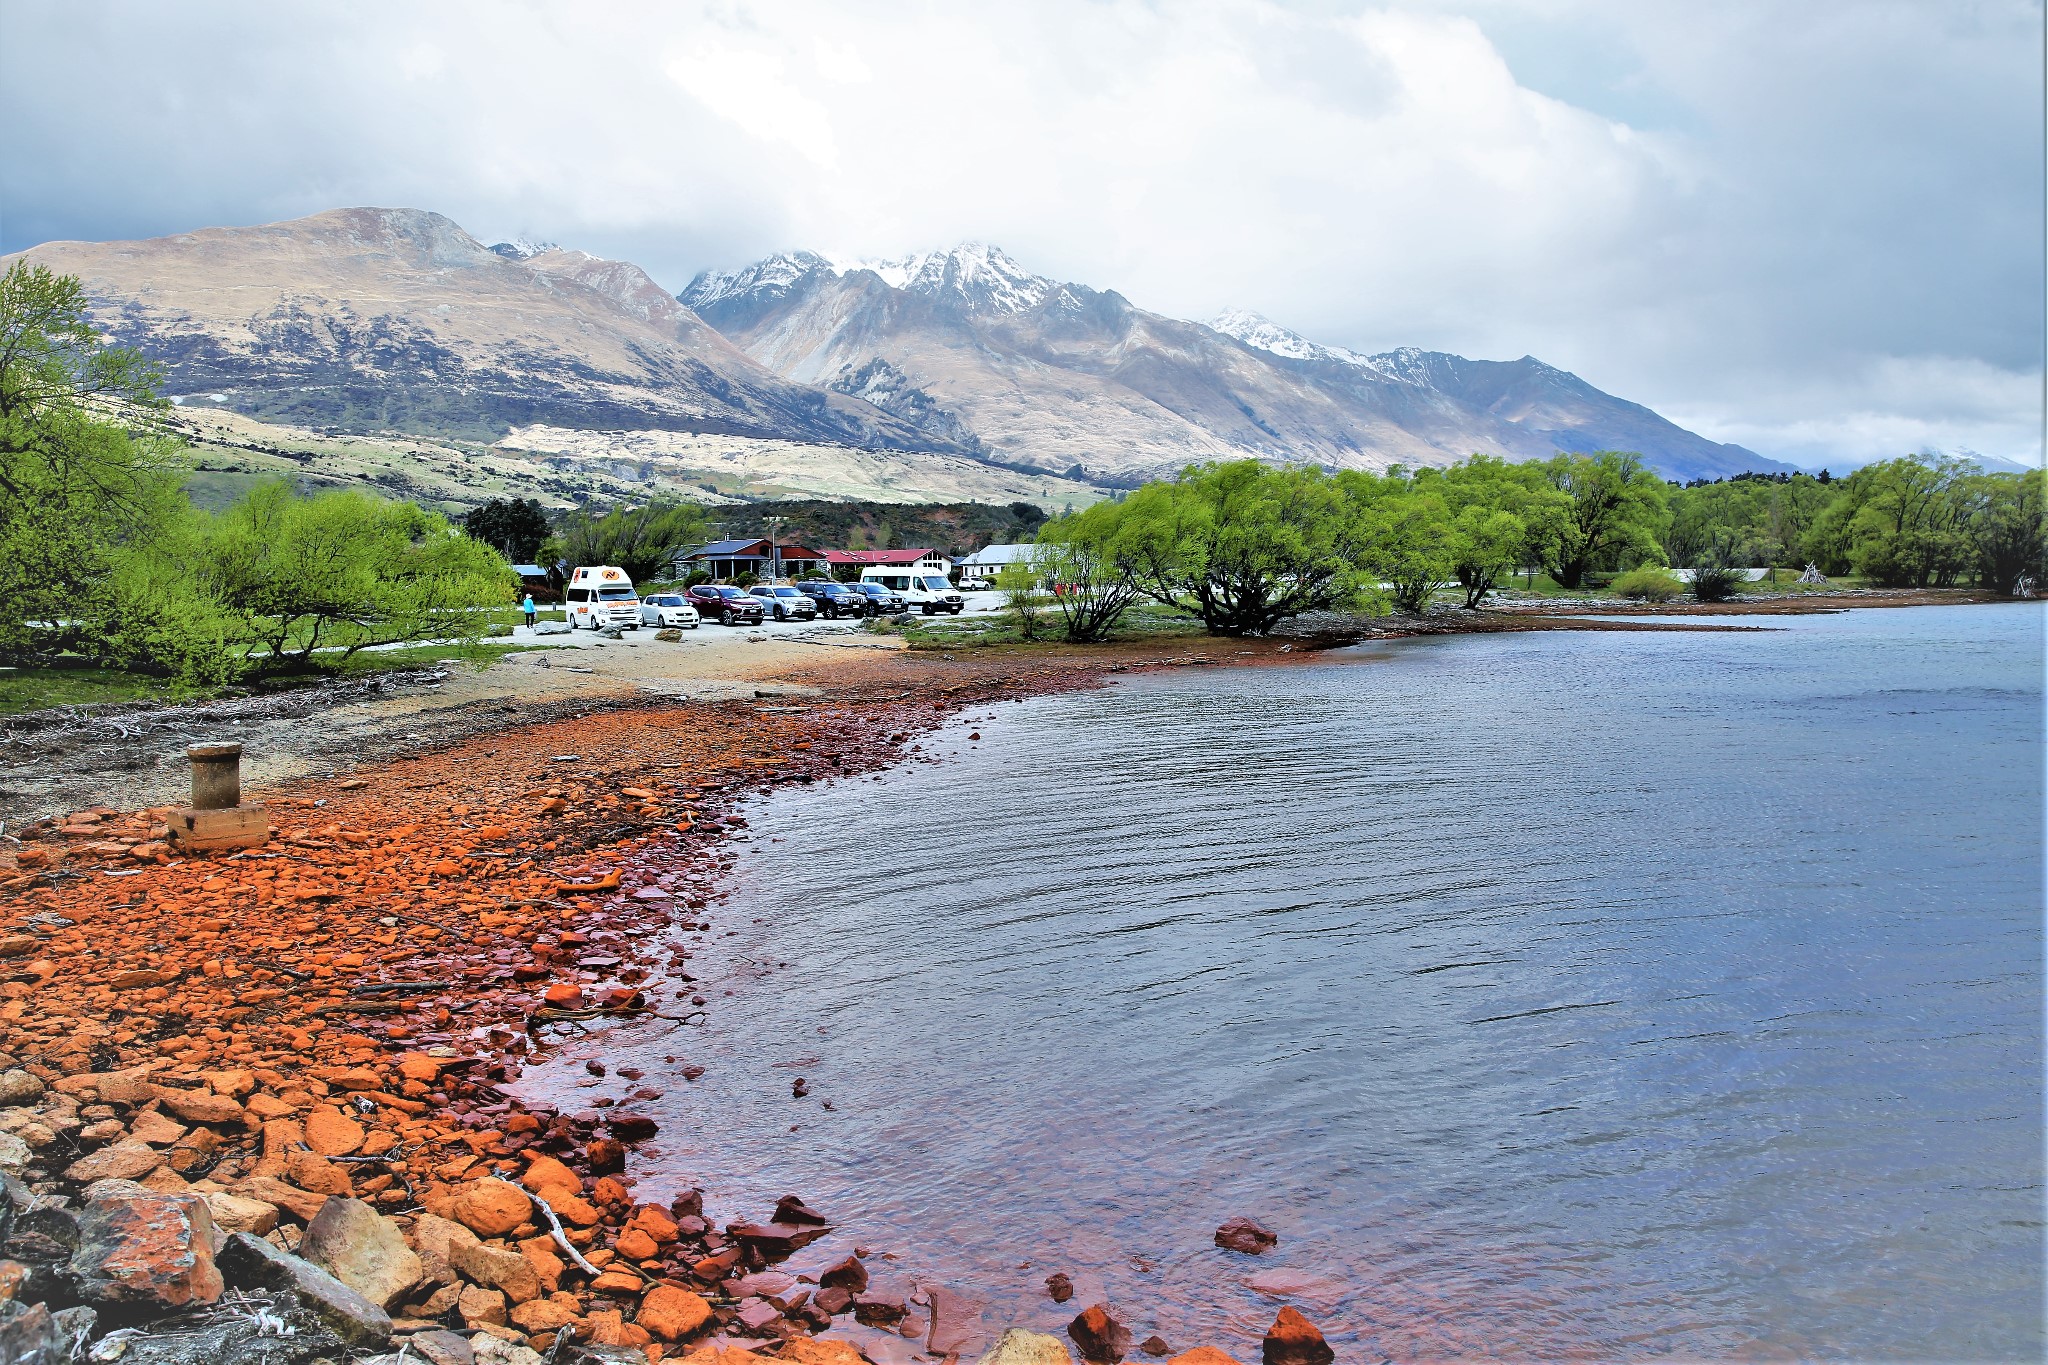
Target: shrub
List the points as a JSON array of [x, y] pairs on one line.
[[1648, 584], [1717, 570]]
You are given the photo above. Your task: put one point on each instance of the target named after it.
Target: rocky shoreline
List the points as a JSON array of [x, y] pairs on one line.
[[263, 1106]]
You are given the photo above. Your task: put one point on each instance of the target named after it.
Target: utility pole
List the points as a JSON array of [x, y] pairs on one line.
[[774, 551]]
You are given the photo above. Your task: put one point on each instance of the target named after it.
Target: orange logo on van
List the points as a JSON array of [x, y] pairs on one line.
[[611, 573]]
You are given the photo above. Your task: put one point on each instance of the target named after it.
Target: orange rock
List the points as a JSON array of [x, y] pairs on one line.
[[671, 1313], [300, 1204], [332, 1133], [317, 1175], [724, 1355], [543, 1315], [417, 1066], [1294, 1340], [636, 1245], [265, 1106], [1203, 1355], [202, 1106], [616, 1282], [817, 1351], [547, 1263], [564, 995], [656, 1223], [491, 1208], [545, 1172], [572, 1209]]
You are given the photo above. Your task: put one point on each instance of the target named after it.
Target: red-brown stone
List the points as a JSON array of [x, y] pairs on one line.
[[1294, 1340]]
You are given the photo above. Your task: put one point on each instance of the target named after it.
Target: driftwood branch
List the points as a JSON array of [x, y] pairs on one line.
[[554, 1226]]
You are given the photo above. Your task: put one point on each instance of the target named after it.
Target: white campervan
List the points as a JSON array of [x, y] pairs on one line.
[[929, 592], [601, 595]]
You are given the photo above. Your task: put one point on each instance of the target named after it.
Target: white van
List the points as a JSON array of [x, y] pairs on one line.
[[929, 592], [601, 595]]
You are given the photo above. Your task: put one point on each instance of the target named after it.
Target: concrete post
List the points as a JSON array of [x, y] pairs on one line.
[[216, 776]]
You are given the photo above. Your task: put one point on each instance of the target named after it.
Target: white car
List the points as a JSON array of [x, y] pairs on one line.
[[975, 585], [668, 609]]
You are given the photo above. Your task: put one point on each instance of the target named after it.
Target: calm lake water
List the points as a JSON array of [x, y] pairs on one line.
[[1569, 994]]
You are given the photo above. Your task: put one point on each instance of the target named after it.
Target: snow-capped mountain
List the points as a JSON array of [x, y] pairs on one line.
[[971, 274], [1263, 334], [521, 248], [969, 345], [396, 319]]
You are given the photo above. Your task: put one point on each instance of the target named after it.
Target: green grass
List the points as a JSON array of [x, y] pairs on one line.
[[40, 689], [43, 689], [1145, 621]]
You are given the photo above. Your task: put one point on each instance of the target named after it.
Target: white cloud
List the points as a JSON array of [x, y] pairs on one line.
[[1886, 406], [750, 89], [1742, 211]]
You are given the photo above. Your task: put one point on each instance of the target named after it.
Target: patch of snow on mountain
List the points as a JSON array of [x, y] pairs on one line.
[[522, 248], [1258, 332], [1262, 334], [983, 276], [772, 277]]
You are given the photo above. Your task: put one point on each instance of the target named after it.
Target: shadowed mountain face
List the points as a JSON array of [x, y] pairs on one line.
[[375, 319], [1057, 375]]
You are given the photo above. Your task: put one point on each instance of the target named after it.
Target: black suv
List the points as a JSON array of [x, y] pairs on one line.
[[836, 599], [881, 601]]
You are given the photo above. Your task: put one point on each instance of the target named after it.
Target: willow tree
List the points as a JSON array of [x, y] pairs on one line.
[[1245, 546], [1618, 513], [85, 472]]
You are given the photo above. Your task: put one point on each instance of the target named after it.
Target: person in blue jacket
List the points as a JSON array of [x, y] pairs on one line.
[[527, 607]]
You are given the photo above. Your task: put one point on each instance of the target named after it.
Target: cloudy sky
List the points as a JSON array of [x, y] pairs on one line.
[[1814, 228]]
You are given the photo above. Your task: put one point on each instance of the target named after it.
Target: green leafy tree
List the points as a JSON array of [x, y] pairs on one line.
[[85, 473], [1486, 546], [1092, 561], [1900, 522], [1619, 512], [1245, 546], [153, 611], [644, 541], [514, 527], [341, 572], [2003, 520], [1416, 549], [1501, 512], [1023, 597]]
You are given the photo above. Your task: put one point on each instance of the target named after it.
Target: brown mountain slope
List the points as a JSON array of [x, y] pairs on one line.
[[969, 345], [378, 319]]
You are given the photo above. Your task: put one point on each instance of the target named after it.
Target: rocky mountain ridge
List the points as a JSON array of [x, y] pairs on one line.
[[1055, 375], [397, 319]]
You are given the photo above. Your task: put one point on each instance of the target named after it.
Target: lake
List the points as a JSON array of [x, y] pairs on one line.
[[1551, 995]]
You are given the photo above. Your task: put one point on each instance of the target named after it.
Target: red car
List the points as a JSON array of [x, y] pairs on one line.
[[726, 605]]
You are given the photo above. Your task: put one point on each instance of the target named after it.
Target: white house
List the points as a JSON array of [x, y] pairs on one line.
[[991, 560]]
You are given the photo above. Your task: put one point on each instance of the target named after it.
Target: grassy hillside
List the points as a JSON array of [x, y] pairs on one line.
[[231, 451]]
